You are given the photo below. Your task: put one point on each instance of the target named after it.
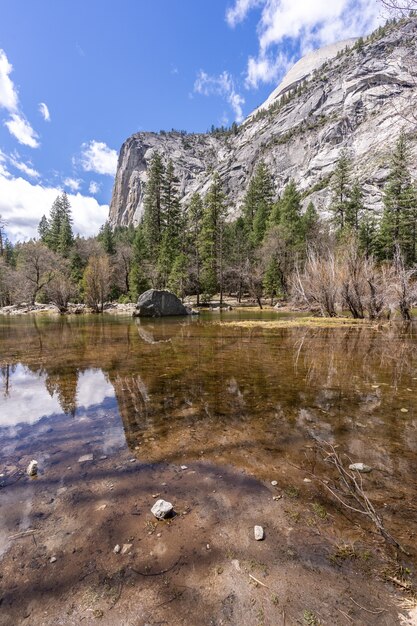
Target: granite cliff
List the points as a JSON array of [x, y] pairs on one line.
[[354, 95]]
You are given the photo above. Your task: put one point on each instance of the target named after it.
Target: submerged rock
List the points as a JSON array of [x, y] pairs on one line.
[[32, 468], [86, 458], [258, 531], [162, 509], [159, 303], [360, 467]]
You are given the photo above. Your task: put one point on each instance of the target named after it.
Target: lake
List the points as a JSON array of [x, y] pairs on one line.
[[204, 412]]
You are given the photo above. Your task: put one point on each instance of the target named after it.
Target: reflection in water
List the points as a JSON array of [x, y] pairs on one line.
[[201, 390], [29, 396]]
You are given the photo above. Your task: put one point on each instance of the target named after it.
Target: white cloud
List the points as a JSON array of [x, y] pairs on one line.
[[303, 24], [239, 11], [25, 168], [22, 130], [222, 85], [73, 184], [94, 187], [44, 111], [8, 93], [22, 205], [97, 157], [18, 126]]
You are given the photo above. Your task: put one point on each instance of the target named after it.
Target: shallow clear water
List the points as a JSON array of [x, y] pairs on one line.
[[177, 390]]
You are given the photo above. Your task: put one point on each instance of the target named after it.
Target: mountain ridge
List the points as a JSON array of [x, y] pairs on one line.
[[359, 100]]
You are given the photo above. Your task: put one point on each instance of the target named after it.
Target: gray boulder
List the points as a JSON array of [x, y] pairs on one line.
[[159, 303]]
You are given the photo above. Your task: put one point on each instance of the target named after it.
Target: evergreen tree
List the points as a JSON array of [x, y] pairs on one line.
[[341, 189], [212, 238], [152, 217], [179, 275], [56, 232], [194, 222], [290, 214], [43, 229], [257, 203], [172, 224], [107, 238], [355, 206], [138, 282], [271, 281], [398, 203], [311, 223]]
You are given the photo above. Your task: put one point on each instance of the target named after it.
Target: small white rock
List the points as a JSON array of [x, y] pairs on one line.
[[32, 468], [52, 559], [116, 549], [162, 509], [86, 458], [184, 467], [126, 548], [258, 531], [307, 480], [360, 467], [274, 483]]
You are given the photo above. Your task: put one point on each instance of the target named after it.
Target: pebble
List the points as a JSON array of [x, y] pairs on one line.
[[132, 460], [274, 483], [276, 497], [307, 480], [184, 467], [32, 468], [103, 457], [126, 548], [360, 467], [403, 410], [52, 559], [258, 532], [116, 549], [101, 507], [162, 509], [86, 458]]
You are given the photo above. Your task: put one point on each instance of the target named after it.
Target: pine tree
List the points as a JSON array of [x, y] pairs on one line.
[[398, 201], [138, 282], [106, 236], [152, 217], [194, 222], [56, 232], [271, 281], [211, 238], [311, 223], [341, 188], [355, 206], [43, 229], [290, 214], [172, 224], [179, 275], [257, 203]]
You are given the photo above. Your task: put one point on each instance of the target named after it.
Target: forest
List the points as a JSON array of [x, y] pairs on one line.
[[280, 249]]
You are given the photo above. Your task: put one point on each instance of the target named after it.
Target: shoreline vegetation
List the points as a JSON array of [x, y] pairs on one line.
[[287, 317]]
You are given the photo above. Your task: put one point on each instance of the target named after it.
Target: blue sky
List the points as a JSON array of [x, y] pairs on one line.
[[78, 77]]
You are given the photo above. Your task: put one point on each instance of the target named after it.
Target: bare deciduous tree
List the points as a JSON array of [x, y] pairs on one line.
[[401, 286], [36, 269], [96, 281], [399, 7], [61, 288], [317, 287]]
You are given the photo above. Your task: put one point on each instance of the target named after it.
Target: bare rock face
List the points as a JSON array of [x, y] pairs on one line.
[[358, 99], [159, 303]]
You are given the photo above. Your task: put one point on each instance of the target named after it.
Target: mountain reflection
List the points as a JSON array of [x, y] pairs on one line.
[[201, 390]]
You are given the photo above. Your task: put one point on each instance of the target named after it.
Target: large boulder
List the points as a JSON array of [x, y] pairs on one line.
[[159, 303]]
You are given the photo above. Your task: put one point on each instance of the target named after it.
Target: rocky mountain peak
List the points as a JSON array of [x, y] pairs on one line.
[[353, 95]]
